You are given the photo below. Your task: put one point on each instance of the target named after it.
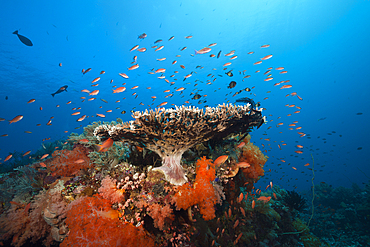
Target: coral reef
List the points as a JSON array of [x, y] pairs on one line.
[[171, 132], [117, 198]]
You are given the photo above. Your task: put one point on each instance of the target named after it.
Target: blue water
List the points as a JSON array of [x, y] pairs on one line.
[[324, 46]]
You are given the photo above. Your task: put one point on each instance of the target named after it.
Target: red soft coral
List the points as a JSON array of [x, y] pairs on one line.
[[202, 193], [93, 222], [108, 190], [68, 162]]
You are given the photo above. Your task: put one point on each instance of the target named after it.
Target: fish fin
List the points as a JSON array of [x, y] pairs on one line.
[[99, 147], [15, 32]]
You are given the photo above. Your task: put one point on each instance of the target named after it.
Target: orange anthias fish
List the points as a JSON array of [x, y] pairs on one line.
[[16, 119], [243, 165], [8, 157], [106, 145], [203, 50], [119, 90], [220, 160], [265, 199]]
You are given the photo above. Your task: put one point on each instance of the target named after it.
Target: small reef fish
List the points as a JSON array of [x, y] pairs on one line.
[[266, 57], [160, 71], [230, 74], [81, 118], [219, 54], [265, 199], [142, 36], [159, 48], [96, 79], [85, 71], [134, 48], [16, 119], [106, 145], [123, 75], [232, 84], [60, 90], [119, 90], [220, 160], [23, 39], [203, 50], [135, 66], [8, 157]]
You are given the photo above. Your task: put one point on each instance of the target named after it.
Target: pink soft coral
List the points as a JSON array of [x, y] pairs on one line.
[[108, 190], [160, 214]]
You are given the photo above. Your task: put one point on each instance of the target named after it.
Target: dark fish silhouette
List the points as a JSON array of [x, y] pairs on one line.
[[23, 39], [232, 84], [219, 53], [197, 96], [229, 73], [62, 89]]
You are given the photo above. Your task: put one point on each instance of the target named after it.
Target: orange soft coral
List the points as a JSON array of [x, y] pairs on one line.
[[93, 222], [68, 162], [202, 193], [252, 154]]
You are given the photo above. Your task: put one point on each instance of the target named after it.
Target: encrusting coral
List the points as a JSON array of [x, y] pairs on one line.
[[170, 132]]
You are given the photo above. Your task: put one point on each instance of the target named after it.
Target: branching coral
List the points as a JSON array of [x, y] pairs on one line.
[[171, 132], [202, 192], [68, 162]]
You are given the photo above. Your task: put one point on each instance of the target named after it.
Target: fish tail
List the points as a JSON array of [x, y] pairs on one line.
[[196, 52], [15, 32], [53, 94]]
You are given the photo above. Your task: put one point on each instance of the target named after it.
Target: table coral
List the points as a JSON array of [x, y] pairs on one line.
[[171, 132]]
